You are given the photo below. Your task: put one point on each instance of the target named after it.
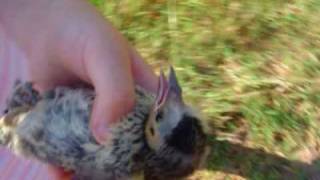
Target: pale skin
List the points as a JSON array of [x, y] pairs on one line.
[[67, 42]]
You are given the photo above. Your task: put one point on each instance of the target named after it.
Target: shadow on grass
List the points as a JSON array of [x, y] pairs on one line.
[[258, 164]]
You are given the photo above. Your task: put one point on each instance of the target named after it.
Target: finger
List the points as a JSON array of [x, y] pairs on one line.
[[109, 69], [59, 173], [142, 72]]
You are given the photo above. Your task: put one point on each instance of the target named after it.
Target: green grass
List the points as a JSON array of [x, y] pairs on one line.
[[251, 66]]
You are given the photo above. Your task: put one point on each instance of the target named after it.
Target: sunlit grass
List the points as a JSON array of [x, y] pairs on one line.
[[251, 66]]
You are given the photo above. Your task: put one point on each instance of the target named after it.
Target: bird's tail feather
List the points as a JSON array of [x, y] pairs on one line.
[[2, 139], [8, 124], [4, 133], [22, 99]]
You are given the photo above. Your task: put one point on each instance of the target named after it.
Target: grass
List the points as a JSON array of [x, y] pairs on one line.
[[251, 66]]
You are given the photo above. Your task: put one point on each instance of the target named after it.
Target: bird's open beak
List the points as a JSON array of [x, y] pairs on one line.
[[163, 91], [168, 89]]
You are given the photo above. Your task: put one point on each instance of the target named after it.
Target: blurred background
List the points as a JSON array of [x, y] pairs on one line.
[[251, 66]]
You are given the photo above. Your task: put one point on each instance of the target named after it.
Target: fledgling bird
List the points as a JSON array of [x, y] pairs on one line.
[[162, 137]]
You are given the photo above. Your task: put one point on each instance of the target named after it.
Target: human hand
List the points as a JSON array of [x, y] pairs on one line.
[[67, 42]]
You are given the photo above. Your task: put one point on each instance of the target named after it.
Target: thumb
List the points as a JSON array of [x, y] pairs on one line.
[[107, 109], [108, 66]]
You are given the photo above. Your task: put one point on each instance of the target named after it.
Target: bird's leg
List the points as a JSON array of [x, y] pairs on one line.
[[23, 95]]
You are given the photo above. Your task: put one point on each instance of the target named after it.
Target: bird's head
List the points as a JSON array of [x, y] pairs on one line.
[[173, 132]]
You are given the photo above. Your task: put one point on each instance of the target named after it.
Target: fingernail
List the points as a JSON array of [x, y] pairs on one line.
[[102, 132]]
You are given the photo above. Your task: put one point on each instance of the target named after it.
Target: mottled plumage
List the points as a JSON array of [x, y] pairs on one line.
[[162, 136]]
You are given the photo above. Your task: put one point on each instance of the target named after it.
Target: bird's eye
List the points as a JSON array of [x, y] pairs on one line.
[[152, 131], [159, 116]]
